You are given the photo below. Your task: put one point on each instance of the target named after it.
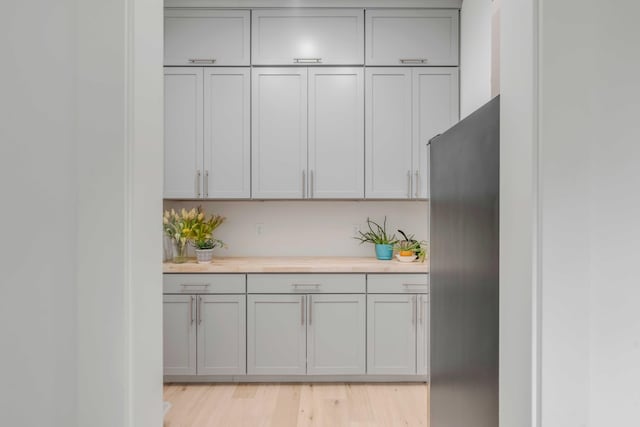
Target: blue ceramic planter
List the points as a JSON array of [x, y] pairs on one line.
[[384, 252]]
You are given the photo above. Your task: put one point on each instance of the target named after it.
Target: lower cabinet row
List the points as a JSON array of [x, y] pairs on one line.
[[313, 334]]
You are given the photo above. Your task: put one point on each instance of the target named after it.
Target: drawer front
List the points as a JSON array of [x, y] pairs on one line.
[[306, 283], [204, 284], [398, 283]]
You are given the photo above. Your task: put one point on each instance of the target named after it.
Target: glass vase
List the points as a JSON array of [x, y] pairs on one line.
[[179, 252]]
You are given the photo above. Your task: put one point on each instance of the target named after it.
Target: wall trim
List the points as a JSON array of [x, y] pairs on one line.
[[443, 4]]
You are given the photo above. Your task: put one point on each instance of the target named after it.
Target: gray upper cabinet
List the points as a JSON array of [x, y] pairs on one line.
[[221, 335], [435, 109], [388, 133], [405, 107], [179, 332], [426, 37], [279, 133], [336, 133], [206, 37], [307, 36], [207, 133], [336, 334], [183, 130], [227, 133]]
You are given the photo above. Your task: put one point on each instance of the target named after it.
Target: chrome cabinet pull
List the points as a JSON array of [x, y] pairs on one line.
[[191, 309], [413, 60], [310, 309], [198, 183], [417, 184], [202, 60], [302, 304], [186, 287], [304, 185], [311, 183], [206, 184], [409, 184], [421, 310], [199, 310], [307, 60], [305, 286]]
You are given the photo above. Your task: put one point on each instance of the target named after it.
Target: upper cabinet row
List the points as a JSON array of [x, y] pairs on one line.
[[301, 36]]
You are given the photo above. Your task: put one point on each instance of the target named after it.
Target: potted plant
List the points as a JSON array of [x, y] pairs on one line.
[[409, 249], [178, 227], [202, 237], [378, 235]]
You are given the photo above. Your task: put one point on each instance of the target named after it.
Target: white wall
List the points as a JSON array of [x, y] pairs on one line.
[[308, 228], [475, 55], [37, 184], [119, 155], [518, 214], [576, 170], [80, 176], [614, 338]]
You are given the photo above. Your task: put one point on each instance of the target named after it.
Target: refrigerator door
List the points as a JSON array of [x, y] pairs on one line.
[[465, 164]]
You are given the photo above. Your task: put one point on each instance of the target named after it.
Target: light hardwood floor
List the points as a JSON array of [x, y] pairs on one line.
[[284, 405]]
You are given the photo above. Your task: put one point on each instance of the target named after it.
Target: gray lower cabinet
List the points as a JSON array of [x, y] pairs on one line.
[[276, 334], [221, 335], [306, 334], [179, 330], [204, 334], [423, 335], [391, 329], [336, 334]]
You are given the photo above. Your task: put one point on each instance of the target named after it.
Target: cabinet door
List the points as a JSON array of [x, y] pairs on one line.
[[179, 335], [183, 132], [303, 36], [211, 37], [336, 133], [391, 334], [279, 133], [336, 334], [221, 335], [388, 133], [435, 109], [276, 334], [227, 133], [412, 36], [423, 335]]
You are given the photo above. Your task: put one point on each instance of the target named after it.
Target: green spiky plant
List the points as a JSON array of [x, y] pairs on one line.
[[377, 234]]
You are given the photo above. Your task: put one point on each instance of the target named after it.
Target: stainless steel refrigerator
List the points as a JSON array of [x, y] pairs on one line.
[[465, 163]]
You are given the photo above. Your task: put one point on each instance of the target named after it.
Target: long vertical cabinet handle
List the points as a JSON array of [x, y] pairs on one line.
[[417, 189], [310, 309], [206, 184], [304, 185], [303, 302], [413, 311], [199, 310], [191, 308], [198, 183], [420, 301], [409, 184], [311, 183]]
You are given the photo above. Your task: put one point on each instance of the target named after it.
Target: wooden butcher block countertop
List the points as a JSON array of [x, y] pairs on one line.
[[297, 265]]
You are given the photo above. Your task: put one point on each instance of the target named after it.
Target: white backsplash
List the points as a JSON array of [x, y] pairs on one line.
[[307, 228]]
